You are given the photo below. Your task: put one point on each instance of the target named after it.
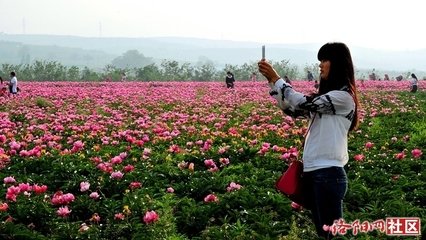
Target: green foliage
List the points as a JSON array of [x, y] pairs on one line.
[[148, 73], [138, 67], [73, 73], [205, 72], [89, 75], [284, 68], [42, 102]]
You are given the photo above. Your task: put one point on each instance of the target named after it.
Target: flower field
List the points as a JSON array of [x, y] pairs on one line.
[[187, 160]]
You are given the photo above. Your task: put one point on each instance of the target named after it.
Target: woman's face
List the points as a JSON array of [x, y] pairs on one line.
[[324, 68]]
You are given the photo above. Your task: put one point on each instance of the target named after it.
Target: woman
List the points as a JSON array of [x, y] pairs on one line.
[[413, 81], [333, 113]]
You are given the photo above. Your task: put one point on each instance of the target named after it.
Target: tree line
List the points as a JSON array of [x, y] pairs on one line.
[[167, 70]]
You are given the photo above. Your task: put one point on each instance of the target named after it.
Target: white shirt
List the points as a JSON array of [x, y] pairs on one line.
[[413, 81], [14, 83], [326, 143]]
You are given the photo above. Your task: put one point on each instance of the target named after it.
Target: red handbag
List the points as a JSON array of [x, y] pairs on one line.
[[290, 183]]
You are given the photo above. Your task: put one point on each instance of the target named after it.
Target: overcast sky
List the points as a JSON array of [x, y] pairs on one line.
[[390, 25]]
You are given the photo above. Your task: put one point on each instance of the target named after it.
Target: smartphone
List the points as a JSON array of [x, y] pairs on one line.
[[263, 52]]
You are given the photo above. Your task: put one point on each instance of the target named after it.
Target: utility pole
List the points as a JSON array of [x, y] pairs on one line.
[[24, 31], [100, 29]]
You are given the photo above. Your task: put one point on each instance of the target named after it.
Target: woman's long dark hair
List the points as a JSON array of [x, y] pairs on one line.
[[341, 73]]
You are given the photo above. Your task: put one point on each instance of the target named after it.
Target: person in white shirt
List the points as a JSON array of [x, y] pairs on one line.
[[13, 84], [333, 113]]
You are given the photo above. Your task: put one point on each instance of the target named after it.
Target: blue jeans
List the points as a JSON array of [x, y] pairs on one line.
[[324, 191]]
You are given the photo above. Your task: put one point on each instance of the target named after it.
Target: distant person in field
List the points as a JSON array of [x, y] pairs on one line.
[[13, 84], [287, 80], [310, 76], [123, 77], [399, 78], [333, 112], [316, 85], [229, 80], [1, 81], [253, 77], [386, 78], [413, 82]]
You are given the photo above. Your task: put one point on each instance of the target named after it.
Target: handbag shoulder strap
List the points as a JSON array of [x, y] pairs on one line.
[[309, 128]]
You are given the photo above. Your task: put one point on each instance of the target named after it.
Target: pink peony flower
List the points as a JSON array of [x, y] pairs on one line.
[[116, 160], [417, 153], [233, 186], [94, 195], [214, 169], [119, 216], [4, 207], [211, 198], [62, 199], [170, 190], [221, 150], [24, 187], [224, 161], [84, 186], [285, 156], [134, 185], [174, 148], [369, 145], [295, 206], [400, 155], [209, 163], [63, 212], [150, 217], [77, 146], [9, 180], [123, 155], [14, 145], [117, 175], [359, 157], [275, 148], [12, 192], [128, 168], [39, 189], [67, 198]]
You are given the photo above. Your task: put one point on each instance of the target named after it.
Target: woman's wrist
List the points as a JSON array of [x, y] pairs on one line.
[[274, 79]]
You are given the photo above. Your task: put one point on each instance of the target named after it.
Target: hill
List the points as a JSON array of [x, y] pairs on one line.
[[97, 52]]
